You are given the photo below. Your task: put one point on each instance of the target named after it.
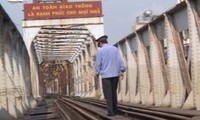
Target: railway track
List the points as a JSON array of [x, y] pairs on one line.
[[88, 111], [92, 109]]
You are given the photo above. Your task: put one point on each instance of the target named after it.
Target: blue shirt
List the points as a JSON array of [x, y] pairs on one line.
[[108, 62]]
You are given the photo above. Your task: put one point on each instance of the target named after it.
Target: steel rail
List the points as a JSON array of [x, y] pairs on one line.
[[66, 116], [140, 111], [80, 110], [132, 111], [126, 112]]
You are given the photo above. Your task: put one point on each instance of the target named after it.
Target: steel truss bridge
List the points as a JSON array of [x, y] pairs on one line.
[[58, 56]]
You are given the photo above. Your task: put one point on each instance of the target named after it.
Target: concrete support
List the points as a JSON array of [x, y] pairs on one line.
[[177, 90], [29, 34], [3, 98], [143, 73], [123, 88], [194, 28], [13, 71], [132, 73]]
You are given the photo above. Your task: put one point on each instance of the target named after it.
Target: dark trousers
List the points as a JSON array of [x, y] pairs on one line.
[[110, 93]]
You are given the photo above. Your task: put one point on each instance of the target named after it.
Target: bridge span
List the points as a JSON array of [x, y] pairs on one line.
[[56, 54]]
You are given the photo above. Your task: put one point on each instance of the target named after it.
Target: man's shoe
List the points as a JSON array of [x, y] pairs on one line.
[[111, 114]]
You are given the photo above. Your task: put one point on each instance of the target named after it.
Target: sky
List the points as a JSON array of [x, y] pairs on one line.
[[119, 15]]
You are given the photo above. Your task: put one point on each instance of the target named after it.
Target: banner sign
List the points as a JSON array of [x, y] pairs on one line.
[[62, 10]]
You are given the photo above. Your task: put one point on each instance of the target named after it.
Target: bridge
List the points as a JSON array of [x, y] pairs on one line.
[[56, 54]]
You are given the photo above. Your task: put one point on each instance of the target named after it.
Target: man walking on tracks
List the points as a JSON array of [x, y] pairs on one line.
[[110, 66]]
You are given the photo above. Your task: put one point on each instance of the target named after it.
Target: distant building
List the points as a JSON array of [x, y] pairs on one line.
[[144, 19], [49, 1], [15, 0], [178, 1]]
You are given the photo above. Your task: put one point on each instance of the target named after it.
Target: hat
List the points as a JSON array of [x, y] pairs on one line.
[[104, 37]]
